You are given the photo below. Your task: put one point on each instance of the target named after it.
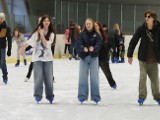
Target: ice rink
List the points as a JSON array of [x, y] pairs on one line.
[[17, 101]]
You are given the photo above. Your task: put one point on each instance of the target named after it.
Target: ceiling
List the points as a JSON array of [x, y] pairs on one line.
[[149, 2]]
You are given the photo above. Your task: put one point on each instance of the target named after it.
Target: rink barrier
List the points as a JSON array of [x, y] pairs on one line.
[[59, 48]]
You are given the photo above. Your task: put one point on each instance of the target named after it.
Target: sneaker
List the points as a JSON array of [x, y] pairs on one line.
[[96, 100], [38, 99], [81, 100], [140, 101], [50, 100], [158, 101], [5, 81], [26, 79]]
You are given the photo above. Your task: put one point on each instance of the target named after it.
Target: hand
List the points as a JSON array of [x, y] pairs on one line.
[[85, 49], [9, 53], [91, 48], [130, 59], [40, 30]]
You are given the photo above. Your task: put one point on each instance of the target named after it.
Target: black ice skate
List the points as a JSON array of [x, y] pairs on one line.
[[17, 64], [38, 100]]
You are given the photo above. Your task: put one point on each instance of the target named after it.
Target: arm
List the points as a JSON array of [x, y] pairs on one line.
[[80, 42], [134, 42]]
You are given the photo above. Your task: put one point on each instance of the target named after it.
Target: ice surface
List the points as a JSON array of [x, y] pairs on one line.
[[17, 101]]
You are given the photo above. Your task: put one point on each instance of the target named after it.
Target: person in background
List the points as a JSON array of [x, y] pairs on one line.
[[67, 39], [5, 36], [19, 39], [104, 56], [120, 48], [41, 40], [89, 45], [74, 32], [112, 44], [148, 55]]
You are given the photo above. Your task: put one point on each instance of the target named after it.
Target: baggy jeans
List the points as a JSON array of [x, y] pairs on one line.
[[89, 66], [43, 72]]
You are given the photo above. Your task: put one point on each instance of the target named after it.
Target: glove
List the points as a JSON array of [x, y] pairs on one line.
[[8, 53]]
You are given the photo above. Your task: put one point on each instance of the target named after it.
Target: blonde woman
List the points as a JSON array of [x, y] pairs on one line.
[[89, 45]]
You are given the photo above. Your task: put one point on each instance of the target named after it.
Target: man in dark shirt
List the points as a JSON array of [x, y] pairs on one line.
[[148, 55], [5, 39]]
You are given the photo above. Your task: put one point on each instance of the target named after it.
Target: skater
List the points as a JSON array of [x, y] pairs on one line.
[[148, 55], [120, 48], [104, 56], [89, 45], [74, 32], [30, 69], [67, 39], [41, 40], [5, 36], [19, 39], [112, 44]]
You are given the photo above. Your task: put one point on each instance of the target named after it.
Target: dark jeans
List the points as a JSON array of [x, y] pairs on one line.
[[106, 70], [74, 48], [67, 46], [3, 64]]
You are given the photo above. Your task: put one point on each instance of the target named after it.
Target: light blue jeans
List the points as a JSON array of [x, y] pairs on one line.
[[43, 72], [89, 66]]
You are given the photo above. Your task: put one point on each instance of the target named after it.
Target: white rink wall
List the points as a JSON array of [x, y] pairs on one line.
[[59, 47]]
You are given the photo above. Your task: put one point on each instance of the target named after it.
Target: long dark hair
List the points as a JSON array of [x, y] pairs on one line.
[[102, 32], [50, 29]]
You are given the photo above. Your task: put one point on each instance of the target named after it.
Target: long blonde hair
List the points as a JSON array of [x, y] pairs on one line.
[[84, 26], [117, 28]]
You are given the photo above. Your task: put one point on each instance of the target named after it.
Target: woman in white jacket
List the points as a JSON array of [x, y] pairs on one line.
[[41, 40]]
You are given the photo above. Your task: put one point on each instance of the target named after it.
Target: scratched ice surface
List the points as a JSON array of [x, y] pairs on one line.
[[17, 101]]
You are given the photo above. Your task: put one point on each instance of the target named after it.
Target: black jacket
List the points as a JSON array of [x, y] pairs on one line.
[[141, 33], [87, 39], [5, 35]]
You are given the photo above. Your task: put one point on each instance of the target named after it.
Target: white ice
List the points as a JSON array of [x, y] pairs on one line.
[[17, 101]]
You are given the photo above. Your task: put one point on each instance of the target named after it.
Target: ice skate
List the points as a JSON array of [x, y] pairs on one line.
[[50, 100], [38, 100], [140, 101], [158, 101], [81, 100], [96, 100], [5, 81], [26, 79], [114, 86], [18, 63]]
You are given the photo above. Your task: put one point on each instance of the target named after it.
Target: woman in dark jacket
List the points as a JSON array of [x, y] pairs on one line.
[[104, 56], [89, 45], [148, 55]]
